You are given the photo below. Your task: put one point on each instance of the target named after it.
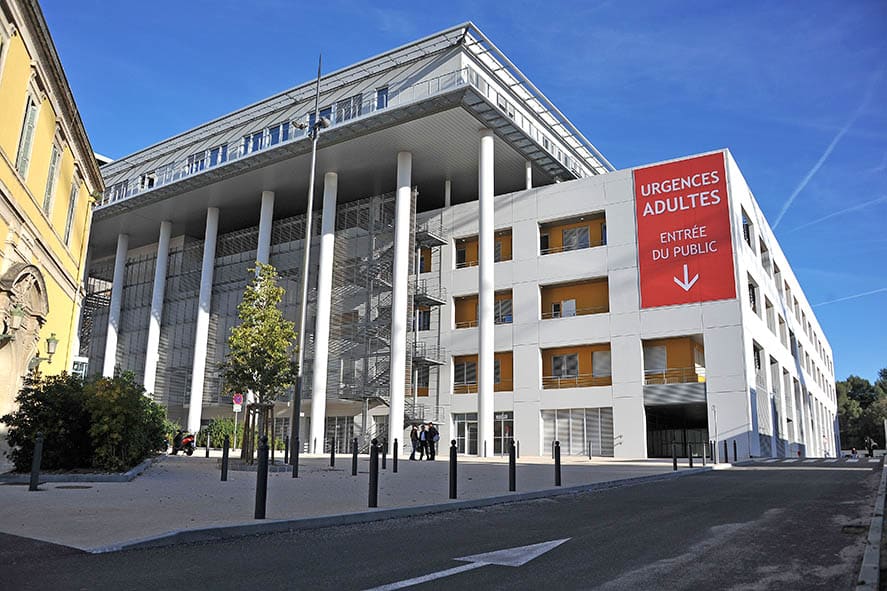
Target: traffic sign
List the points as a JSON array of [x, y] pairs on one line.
[[237, 408], [685, 248], [238, 399]]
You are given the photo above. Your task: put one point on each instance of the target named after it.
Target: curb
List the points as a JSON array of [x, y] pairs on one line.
[[11, 478], [208, 534], [870, 569]]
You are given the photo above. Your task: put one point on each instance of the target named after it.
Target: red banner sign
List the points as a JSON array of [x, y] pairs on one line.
[[685, 252]]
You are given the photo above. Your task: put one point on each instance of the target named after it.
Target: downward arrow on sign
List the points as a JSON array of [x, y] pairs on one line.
[[687, 283]]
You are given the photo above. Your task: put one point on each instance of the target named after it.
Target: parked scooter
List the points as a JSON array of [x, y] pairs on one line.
[[183, 442]]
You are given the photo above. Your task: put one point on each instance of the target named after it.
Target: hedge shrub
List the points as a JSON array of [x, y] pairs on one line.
[[101, 423]]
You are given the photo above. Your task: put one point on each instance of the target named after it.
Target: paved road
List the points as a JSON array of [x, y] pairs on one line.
[[766, 526]]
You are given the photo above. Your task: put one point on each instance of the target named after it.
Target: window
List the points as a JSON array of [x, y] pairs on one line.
[[497, 372], [576, 238], [465, 372], [196, 162], [556, 310], [348, 108], [568, 308], [600, 364], [747, 229], [565, 366], [753, 295], [69, 217], [502, 311], [51, 179], [543, 243], [382, 97], [497, 251], [23, 158], [218, 155], [461, 256], [423, 374], [604, 233], [424, 318], [147, 181], [118, 191]]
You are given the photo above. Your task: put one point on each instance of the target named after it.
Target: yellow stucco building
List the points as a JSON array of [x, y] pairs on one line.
[[47, 178]]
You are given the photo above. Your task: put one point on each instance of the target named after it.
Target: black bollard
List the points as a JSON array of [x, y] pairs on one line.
[[225, 443], [207, 445], [735, 455], [726, 452], [690, 453], [394, 455], [385, 456], [294, 456], [674, 456], [315, 446], [262, 478], [374, 475], [512, 467], [286, 449], [557, 463], [35, 462], [333, 452], [354, 457], [453, 469]]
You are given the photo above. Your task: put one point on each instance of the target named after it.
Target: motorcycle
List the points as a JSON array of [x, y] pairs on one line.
[[186, 444]]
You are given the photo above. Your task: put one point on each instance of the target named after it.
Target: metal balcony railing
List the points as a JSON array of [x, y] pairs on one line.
[[507, 319], [471, 387], [428, 293], [261, 140], [430, 233], [569, 247], [678, 375], [429, 353], [579, 312], [577, 381]]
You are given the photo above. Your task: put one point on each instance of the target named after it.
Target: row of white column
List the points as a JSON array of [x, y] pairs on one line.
[[400, 293]]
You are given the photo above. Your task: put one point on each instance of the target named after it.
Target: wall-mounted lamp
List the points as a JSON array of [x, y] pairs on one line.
[[16, 315], [52, 344]]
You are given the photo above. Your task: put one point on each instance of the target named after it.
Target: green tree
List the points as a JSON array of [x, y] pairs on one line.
[[260, 358]]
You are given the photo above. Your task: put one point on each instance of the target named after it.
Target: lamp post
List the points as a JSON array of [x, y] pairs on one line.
[[52, 344], [313, 131]]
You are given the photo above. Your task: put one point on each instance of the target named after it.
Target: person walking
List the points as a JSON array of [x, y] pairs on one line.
[[414, 439], [433, 437], [423, 443]]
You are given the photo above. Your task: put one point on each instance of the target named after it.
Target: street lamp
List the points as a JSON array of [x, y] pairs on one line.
[[52, 344], [313, 132]]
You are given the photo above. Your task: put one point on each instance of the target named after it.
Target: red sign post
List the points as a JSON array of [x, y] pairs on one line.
[[685, 251]]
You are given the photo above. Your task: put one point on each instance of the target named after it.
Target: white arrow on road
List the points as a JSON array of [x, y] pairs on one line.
[[509, 557], [687, 283]]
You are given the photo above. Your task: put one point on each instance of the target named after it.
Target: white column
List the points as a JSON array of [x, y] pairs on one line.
[[198, 368], [324, 297], [485, 297], [448, 193], [266, 217], [399, 297], [152, 355], [116, 303], [529, 169]]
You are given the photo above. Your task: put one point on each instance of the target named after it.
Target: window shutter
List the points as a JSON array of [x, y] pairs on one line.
[[24, 149], [470, 372], [51, 179], [655, 358], [557, 365], [497, 375], [569, 308], [600, 364], [459, 373], [572, 365]]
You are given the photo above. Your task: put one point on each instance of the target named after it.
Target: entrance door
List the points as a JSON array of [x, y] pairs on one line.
[[503, 432], [466, 433]]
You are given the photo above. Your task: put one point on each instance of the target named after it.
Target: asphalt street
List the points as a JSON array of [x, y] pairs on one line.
[[765, 526]]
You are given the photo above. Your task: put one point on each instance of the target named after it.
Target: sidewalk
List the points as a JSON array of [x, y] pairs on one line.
[[181, 493]]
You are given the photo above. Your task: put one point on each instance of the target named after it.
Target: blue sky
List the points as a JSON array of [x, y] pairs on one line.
[[796, 90]]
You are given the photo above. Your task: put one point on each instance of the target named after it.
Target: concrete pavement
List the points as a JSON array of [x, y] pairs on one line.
[[183, 493]]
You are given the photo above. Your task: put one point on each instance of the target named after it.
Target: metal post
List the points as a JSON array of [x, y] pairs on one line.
[[674, 456], [512, 467], [517, 445], [726, 452], [589, 450], [225, 443], [703, 453], [354, 457], [485, 449], [332, 452], [735, 454], [207, 443], [557, 463], [385, 456], [262, 478], [453, 469], [374, 474], [314, 450], [35, 462], [286, 449], [690, 452], [294, 456], [394, 455]]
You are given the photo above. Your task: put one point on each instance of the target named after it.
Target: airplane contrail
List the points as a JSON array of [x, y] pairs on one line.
[[851, 297], [880, 199], [828, 152]]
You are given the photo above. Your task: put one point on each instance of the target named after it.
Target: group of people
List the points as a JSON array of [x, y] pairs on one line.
[[424, 441]]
